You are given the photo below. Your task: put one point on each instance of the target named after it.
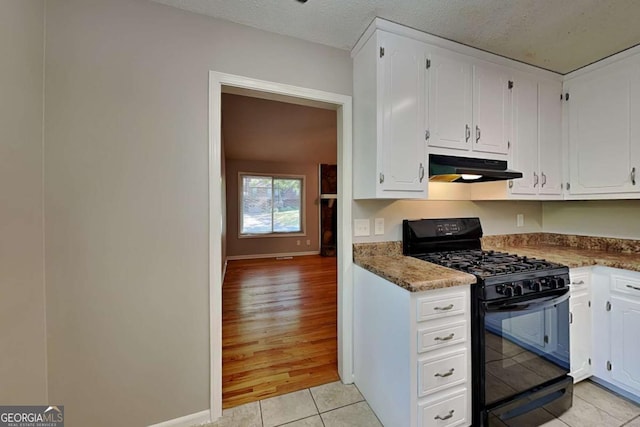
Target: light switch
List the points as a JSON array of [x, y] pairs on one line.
[[379, 226], [361, 227]]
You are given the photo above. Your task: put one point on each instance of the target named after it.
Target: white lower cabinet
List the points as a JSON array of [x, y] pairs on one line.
[[412, 352], [625, 342], [605, 329], [580, 326]]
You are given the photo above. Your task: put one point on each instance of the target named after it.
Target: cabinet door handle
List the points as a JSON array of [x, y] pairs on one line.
[[447, 338], [421, 172], [633, 176], [581, 282], [467, 133], [633, 287], [477, 134], [544, 179], [449, 307], [446, 417], [535, 179], [381, 177], [446, 374]]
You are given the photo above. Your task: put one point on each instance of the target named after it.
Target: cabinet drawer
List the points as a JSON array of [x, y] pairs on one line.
[[441, 306], [445, 371], [580, 281], [625, 285], [441, 336], [449, 412]]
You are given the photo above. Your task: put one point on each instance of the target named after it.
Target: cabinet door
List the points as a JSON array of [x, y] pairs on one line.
[[402, 158], [625, 342], [604, 136], [580, 335], [525, 136], [450, 109], [491, 109], [550, 137]]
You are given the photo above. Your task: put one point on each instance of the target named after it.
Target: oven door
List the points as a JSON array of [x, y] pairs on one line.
[[526, 344]]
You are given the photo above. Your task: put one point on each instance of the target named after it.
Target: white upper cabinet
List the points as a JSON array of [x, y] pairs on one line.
[[550, 137], [403, 69], [416, 95], [468, 105], [537, 137], [450, 108], [604, 130], [491, 109], [389, 159], [525, 136]]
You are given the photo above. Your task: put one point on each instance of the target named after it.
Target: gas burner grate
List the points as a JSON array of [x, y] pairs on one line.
[[487, 263]]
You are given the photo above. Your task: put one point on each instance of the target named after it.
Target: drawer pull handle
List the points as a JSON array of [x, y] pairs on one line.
[[446, 417], [449, 307], [581, 282], [446, 374], [633, 287], [447, 338]]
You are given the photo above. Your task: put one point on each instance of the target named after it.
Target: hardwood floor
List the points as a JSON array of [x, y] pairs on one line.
[[279, 327]]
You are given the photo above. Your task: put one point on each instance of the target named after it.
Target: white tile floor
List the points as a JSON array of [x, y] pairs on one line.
[[339, 405], [329, 405]]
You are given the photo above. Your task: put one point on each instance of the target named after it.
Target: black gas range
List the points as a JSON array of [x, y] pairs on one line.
[[520, 322]]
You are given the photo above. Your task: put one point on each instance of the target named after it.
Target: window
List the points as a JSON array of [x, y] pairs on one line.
[[270, 204]]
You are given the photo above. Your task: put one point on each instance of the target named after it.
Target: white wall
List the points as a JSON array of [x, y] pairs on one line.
[[605, 218], [496, 217], [22, 314], [126, 197]]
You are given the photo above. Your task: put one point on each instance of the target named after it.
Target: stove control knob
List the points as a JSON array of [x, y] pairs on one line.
[[508, 291], [536, 285], [560, 282], [553, 283], [518, 290]]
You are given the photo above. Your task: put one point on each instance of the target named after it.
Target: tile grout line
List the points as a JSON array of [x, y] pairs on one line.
[[343, 406], [637, 417], [622, 398], [261, 418], [316, 405]]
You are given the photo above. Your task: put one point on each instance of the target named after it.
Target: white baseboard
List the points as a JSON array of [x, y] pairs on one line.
[[285, 254], [203, 417]]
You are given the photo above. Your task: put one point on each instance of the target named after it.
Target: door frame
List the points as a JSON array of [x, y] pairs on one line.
[[343, 104]]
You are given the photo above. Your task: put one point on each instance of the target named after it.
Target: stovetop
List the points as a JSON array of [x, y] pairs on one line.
[[487, 263], [455, 243]]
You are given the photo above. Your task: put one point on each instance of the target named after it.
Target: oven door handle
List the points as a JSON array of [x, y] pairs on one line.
[[549, 299]]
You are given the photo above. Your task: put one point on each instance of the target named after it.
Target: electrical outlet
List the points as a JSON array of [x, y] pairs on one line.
[[308, 242], [361, 227], [298, 242], [379, 226], [520, 220]]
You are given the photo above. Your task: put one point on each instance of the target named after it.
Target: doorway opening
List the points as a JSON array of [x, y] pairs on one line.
[[341, 104], [279, 295]]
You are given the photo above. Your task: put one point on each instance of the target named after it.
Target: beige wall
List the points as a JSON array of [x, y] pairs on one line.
[[22, 312], [272, 245], [127, 197], [496, 217], [607, 218]]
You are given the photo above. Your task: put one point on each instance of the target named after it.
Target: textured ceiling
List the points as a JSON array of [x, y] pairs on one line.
[[559, 35], [274, 131]]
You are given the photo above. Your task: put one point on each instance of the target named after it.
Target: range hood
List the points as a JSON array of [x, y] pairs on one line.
[[468, 170]]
